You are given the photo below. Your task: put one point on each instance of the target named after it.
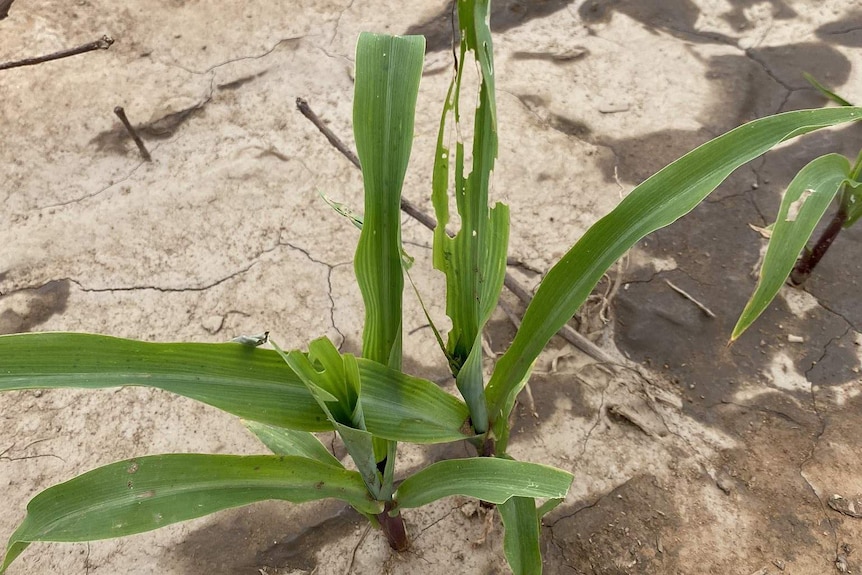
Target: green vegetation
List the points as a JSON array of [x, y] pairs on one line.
[[284, 396]]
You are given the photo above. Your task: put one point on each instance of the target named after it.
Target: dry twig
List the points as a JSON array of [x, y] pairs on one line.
[[566, 332], [690, 298], [121, 114], [102, 43]]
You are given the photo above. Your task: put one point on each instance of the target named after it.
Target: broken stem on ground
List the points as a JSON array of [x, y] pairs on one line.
[[566, 332], [121, 114], [102, 43]]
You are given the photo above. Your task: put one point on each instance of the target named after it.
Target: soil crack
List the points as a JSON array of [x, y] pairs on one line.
[[329, 268]]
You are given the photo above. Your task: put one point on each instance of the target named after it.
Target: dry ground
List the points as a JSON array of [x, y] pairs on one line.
[[710, 460]]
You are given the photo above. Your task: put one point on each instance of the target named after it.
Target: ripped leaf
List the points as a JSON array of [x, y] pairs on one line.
[[806, 200], [474, 260]]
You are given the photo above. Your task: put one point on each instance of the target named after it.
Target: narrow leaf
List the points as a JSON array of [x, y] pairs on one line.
[[486, 478], [806, 200], [657, 202], [388, 70], [521, 537], [474, 260], [829, 94], [283, 441], [344, 210], [146, 493], [247, 381], [400, 407], [250, 382]]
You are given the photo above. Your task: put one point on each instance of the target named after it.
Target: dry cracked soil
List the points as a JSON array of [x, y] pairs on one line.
[[691, 458]]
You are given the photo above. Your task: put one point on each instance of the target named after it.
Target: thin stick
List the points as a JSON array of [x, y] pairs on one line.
[[407, 206], [566, 332], [688, 296], [102, 43], [121, 114]]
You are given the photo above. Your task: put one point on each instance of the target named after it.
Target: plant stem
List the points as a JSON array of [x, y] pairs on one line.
[[811, 257], [489, 447], [393, 527]]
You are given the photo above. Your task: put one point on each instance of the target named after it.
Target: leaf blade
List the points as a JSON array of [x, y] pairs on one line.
[[657, 202], [487, 478], [250, 382], [388, 70], [142, 494], [805, 202], [400, 407], [282, 441], [521, 536]]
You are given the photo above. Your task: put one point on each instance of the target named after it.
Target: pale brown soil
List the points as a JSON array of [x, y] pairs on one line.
[[711, 459]]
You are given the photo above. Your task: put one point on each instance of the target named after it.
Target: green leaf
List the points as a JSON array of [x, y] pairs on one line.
[[851, 195], [806, 200], [400, 407], [283, 441], [146, 493], [486, 478], [250, 382], [344, 210], [388, 70], [829, 94], [521, 536], [657, 202], [852, 201], [325, 373], [474, 260]]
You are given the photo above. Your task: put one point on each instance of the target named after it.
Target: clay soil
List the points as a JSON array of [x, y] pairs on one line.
[[704, 459]]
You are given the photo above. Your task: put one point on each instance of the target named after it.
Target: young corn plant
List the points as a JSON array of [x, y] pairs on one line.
[[848, 212], [286, 396]]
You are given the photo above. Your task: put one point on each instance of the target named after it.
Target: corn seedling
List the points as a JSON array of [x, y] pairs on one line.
[[286, 396]]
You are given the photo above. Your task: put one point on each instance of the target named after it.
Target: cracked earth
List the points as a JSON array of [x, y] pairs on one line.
[[689, 456]]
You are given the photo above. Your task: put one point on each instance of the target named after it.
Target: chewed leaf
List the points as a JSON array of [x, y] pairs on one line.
[[344, 210], [252, 340], [474, 260], [806, 200], [796, 205]]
